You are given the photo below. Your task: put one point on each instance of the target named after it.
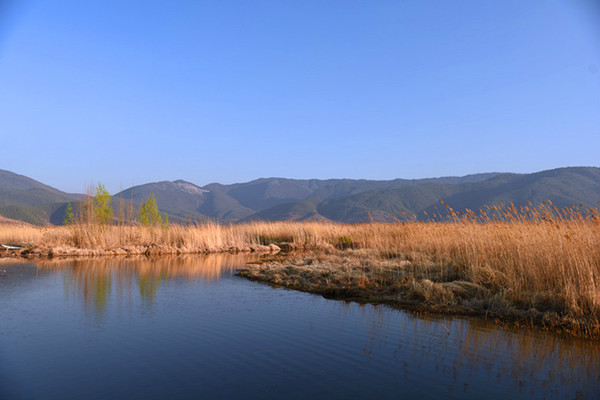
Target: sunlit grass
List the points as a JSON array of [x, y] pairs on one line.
[[537, 257]]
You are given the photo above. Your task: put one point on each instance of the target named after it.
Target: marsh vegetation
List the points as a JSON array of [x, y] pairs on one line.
[[538, 265]]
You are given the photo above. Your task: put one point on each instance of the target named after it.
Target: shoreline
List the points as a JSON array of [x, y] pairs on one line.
[[300, 269], [35, 252], [415, 294], [544, 272]]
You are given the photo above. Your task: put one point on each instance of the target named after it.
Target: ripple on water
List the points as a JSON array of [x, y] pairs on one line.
[[180, 327]]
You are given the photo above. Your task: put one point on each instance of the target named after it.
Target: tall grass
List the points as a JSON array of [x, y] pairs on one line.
[[539, 257]]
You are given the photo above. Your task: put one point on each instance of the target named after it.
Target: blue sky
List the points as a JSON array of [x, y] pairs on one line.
[[129, 92]]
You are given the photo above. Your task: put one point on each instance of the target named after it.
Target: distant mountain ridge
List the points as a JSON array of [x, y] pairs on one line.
[[564, 187], [341, 200]]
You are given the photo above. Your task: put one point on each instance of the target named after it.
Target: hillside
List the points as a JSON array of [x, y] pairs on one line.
[[563, 186], [303, 210], [342, 200], [183, 201], [265, 193], [9, 221], [20, 190], [25, 199], [10, 180]]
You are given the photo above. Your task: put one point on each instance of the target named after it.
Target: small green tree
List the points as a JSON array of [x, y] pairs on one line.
[[69, 216], [149, 214], [103, 212]]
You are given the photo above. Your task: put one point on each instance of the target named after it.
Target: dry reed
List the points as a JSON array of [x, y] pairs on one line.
[[540, 260]]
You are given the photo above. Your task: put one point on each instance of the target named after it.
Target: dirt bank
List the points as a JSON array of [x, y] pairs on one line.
[[153, 249]]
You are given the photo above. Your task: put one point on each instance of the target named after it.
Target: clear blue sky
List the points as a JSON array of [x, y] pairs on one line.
[[129, 92]]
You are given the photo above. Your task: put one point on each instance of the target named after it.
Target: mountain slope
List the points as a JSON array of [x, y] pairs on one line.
[[183, 201], [265, 193], [10, 180], [20, 190], [298, 211], [563, 186], [32, 197], [178, 199], [223, 207], [384, 205], [343, 200], [45, 214], [344, 187], [28, 200]]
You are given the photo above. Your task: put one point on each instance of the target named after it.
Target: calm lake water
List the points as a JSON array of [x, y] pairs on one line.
[[187, 327]]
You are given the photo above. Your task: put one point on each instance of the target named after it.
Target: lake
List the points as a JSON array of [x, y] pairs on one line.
[[187, 327]]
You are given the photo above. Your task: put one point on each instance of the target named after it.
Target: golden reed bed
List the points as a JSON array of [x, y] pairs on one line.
[[535, 260]]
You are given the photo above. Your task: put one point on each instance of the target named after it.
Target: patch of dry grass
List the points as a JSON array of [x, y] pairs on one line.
[[369, 276]]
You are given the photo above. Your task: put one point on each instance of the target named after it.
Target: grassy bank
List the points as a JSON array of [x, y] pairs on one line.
[[421, 284], [538, 264]]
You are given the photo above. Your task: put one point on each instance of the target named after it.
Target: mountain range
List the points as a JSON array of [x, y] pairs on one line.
[[341, 200]]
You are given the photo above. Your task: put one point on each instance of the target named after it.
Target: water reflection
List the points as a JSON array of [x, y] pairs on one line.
[[465, 357], [534, 361], [92, 279]]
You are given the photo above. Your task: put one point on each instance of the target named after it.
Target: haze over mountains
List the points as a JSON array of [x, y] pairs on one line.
[[342, 200]]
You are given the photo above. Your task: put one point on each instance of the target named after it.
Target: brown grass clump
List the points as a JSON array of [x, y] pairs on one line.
[[539, 263]]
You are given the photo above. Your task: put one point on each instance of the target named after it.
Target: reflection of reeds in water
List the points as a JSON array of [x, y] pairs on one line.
[[92, 285], [12, 260], [532, 356], [474, 344], [92, 279]]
